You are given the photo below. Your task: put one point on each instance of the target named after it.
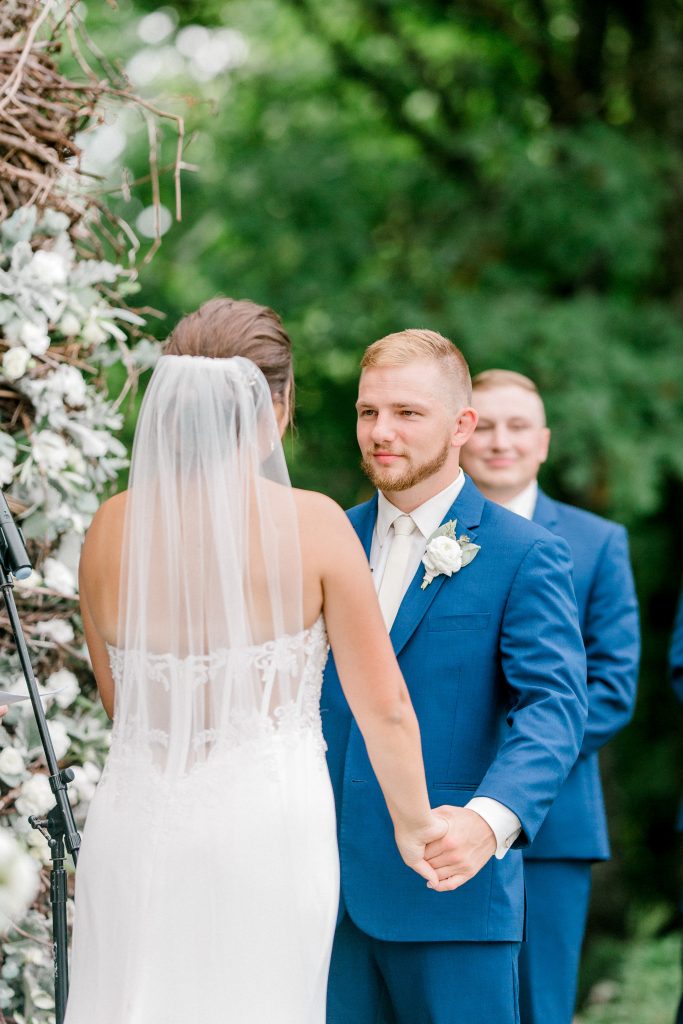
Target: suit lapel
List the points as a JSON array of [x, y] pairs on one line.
[[363, 519], [467, 509], [545, 513]]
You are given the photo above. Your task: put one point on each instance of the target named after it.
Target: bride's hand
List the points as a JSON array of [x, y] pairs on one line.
[[412, 842]]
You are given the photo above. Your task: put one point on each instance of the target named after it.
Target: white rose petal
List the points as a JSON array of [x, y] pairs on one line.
[[38, 846], [85, 781], [61, 740], [36, 796], [67, 684], [36, 340], [15, 362], [49, 267], [18, 879], [58, 577], [69, 383], [69, 325], [59, 630], [443, 555], [11, 762]]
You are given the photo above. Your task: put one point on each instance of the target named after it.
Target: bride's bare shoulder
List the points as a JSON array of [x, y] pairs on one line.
[[106, 529], [323, 523]]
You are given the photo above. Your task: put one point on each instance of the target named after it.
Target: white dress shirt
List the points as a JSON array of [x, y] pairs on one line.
[[503, 822], [524, 503]]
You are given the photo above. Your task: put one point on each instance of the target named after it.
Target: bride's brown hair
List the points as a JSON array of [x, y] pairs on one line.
[[238, 327]]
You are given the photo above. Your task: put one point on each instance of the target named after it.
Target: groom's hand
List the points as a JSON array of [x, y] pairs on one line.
[[468, 844]]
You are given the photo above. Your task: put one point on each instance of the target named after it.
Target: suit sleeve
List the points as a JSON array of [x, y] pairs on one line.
[[611, 635], [676, 653], [544, 667]]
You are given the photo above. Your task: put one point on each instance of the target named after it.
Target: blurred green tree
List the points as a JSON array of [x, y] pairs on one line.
[[509, 172]]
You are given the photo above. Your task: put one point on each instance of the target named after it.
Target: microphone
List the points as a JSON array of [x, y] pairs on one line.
[[12, 549]]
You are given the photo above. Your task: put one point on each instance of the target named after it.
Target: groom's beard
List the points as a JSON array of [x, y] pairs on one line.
[[413, 474]]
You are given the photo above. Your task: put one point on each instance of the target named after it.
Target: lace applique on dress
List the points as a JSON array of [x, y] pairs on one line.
[[143, 745]]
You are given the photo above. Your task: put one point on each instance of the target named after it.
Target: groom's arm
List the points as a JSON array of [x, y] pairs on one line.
[[544, 665]]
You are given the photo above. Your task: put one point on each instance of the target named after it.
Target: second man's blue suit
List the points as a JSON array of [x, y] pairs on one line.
[[495, 665], [575, 831]]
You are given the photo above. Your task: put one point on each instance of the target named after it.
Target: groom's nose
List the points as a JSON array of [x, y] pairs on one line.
[[383, 428]]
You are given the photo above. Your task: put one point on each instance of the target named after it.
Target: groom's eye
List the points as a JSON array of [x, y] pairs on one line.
[[366, 413]]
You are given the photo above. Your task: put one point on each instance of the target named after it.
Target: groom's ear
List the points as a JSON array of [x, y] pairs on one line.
[[464, 427]]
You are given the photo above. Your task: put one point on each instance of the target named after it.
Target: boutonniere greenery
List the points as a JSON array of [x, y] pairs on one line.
[[447, 553]]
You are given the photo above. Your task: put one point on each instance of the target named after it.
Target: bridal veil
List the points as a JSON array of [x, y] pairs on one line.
[[211, 564]]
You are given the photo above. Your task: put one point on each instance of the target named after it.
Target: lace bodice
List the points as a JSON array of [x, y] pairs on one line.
[[299, 658]]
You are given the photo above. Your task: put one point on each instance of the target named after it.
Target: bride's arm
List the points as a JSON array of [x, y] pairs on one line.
[[373, 684], [98, 574]]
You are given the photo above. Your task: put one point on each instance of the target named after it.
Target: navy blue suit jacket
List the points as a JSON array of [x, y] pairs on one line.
[[676, 666], [495, 665], [576, 825]]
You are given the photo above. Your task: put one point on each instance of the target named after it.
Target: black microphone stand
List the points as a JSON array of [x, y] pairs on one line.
[[58, 827]]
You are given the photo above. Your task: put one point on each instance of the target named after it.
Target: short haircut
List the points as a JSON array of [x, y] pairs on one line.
[[499, 378], [487, 380], [416, 343]]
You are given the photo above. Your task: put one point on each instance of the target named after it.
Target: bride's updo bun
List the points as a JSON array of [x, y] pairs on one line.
[[225, 327]]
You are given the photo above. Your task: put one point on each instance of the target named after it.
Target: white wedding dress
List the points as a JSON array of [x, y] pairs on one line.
[[210, 896]]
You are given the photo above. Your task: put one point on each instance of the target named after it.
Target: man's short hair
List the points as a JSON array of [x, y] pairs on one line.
[[489, 379], [499, 378], [416, 343]]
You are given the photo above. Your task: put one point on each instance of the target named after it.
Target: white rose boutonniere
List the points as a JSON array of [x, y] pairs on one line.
[[447, 554]]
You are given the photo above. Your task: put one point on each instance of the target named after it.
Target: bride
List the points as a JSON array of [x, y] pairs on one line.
[[207, 885]]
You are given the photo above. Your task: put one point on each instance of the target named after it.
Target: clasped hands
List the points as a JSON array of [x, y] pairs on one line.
[[452, 850]]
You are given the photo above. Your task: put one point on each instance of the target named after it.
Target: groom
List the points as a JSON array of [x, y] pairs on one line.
[[489, 644]]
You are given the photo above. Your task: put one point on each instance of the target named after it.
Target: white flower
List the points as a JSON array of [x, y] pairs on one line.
[[50, 451], [69, 325], [443, 555], [6, 471], [35, 338], [85, 781], [34, 580], [68, 382], [36, 796], [447, 554], [18, 879], [67, 684], [11, 763], [49, 267], [38, 845], [15, 362], [58, 577], [59, 630], [61, 740], [95, 443]]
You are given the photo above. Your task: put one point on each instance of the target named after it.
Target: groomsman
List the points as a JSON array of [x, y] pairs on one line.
[[484, 623], [676, 667], [503, 457]]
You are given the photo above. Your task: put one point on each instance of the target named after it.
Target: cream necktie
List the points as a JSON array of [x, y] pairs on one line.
[[391, 588]]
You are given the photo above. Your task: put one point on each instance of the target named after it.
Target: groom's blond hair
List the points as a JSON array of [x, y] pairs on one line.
[[418, 343]]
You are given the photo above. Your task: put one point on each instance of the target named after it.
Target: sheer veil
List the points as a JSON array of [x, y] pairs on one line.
[[211, 565]]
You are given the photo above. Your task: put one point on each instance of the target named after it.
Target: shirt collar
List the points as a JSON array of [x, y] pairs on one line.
[[427, 517], [524, 503]]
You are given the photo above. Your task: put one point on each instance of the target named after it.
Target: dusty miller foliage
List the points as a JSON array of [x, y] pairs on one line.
[[64, 318]]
